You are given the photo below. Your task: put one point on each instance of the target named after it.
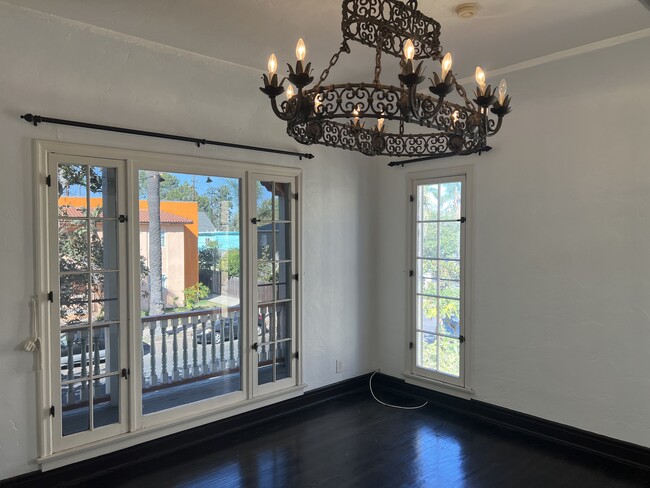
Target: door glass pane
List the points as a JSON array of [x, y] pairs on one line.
[[103, 242], [75, 355], [438, 277], [73, 301], [190, 273], [282, 242], [283, 320], [105, 306], [72, 183], [73, 245], [264, 200], [283, 360], [105, 355], [265, 365], [106, 401], [75, 415], [282, 281], [103, 183], [282, 201]]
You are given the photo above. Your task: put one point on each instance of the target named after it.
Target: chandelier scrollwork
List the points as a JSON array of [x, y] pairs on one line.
[[427, 125]]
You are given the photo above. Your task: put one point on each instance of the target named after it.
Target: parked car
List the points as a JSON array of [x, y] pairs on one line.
[[77, 349], [222, 330]]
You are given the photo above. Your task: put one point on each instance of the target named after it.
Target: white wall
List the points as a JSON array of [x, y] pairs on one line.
[[61, 69], [561, 295]]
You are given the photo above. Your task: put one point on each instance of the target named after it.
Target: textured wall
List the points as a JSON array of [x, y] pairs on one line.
[[561, 314], [67, 70]]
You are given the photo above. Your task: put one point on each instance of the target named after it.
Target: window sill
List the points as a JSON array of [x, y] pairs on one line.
[[129, 439], [454, 390]]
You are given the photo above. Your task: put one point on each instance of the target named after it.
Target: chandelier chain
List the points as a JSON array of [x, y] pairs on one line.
[[343, 49], [380, 40]]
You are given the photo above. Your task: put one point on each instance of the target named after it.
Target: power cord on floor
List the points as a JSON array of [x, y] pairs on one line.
[[388, 404]]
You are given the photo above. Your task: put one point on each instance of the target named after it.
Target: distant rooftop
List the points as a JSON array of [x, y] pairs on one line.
[[205, 224], [165, 217]]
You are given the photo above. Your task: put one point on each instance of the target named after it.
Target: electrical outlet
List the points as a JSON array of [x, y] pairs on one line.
[[339, 365]]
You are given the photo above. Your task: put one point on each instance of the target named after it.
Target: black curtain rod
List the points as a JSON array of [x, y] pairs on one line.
[[37, 119], [436, 156]]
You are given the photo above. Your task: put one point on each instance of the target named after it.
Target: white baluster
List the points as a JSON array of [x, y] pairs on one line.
[[186, 369], [213, 344], [204, 346], [195, 356], [163, 332], [175, 370], [152, 359]]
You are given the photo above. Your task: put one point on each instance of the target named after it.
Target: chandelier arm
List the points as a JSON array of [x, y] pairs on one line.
[[494, 127], [423, 114], [287, 116]]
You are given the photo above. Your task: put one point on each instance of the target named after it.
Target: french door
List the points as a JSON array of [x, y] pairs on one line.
[[88, 294], [169, 291], [272, 202]]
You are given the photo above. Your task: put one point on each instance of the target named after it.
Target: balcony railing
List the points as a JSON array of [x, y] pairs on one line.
[[190, 346]]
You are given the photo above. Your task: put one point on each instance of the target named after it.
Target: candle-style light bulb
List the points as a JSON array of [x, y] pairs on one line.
[[273, 65], [318, 100], [480, 79], [355, 112], [290, 92], [503, 89], [454, 118], [409, 50], [446, 65], [301, 50]]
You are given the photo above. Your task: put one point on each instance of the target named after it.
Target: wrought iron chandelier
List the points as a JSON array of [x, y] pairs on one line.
[[429, 126]]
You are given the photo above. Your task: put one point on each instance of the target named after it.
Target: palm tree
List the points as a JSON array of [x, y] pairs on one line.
[[155, 251]]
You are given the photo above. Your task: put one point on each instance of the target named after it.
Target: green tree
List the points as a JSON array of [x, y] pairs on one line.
[[194, 294]]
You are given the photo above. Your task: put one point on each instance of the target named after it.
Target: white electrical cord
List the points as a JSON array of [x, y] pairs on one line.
[[32, 344], [388, 404]]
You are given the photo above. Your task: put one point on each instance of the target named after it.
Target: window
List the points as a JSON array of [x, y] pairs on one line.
[[438, 296], [139, 335]]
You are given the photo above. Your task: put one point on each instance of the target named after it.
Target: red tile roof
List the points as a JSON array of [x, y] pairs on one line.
[[165, 217]]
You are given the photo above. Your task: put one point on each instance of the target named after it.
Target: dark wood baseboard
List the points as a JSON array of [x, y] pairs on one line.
[[614, 449], [96, 467]]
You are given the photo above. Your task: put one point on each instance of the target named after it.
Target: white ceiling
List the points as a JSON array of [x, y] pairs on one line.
[[245, 32]]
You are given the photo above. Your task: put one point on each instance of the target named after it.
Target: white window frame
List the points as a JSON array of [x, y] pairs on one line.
[[412, 373], [142, 428]]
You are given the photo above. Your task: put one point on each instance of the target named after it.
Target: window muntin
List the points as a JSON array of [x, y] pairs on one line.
[[439, 278]]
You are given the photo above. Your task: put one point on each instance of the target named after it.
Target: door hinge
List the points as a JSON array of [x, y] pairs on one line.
[[50, 296], [48, 180], [461, 338], [410, 345], [125, 373], [295, 196], [411, 273], [122, 218], [411, 198], [254, 220], [52, 411], [296, 355], [296, 276]]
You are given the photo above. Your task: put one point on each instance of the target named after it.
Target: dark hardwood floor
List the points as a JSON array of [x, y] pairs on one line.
[[355, 442]]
